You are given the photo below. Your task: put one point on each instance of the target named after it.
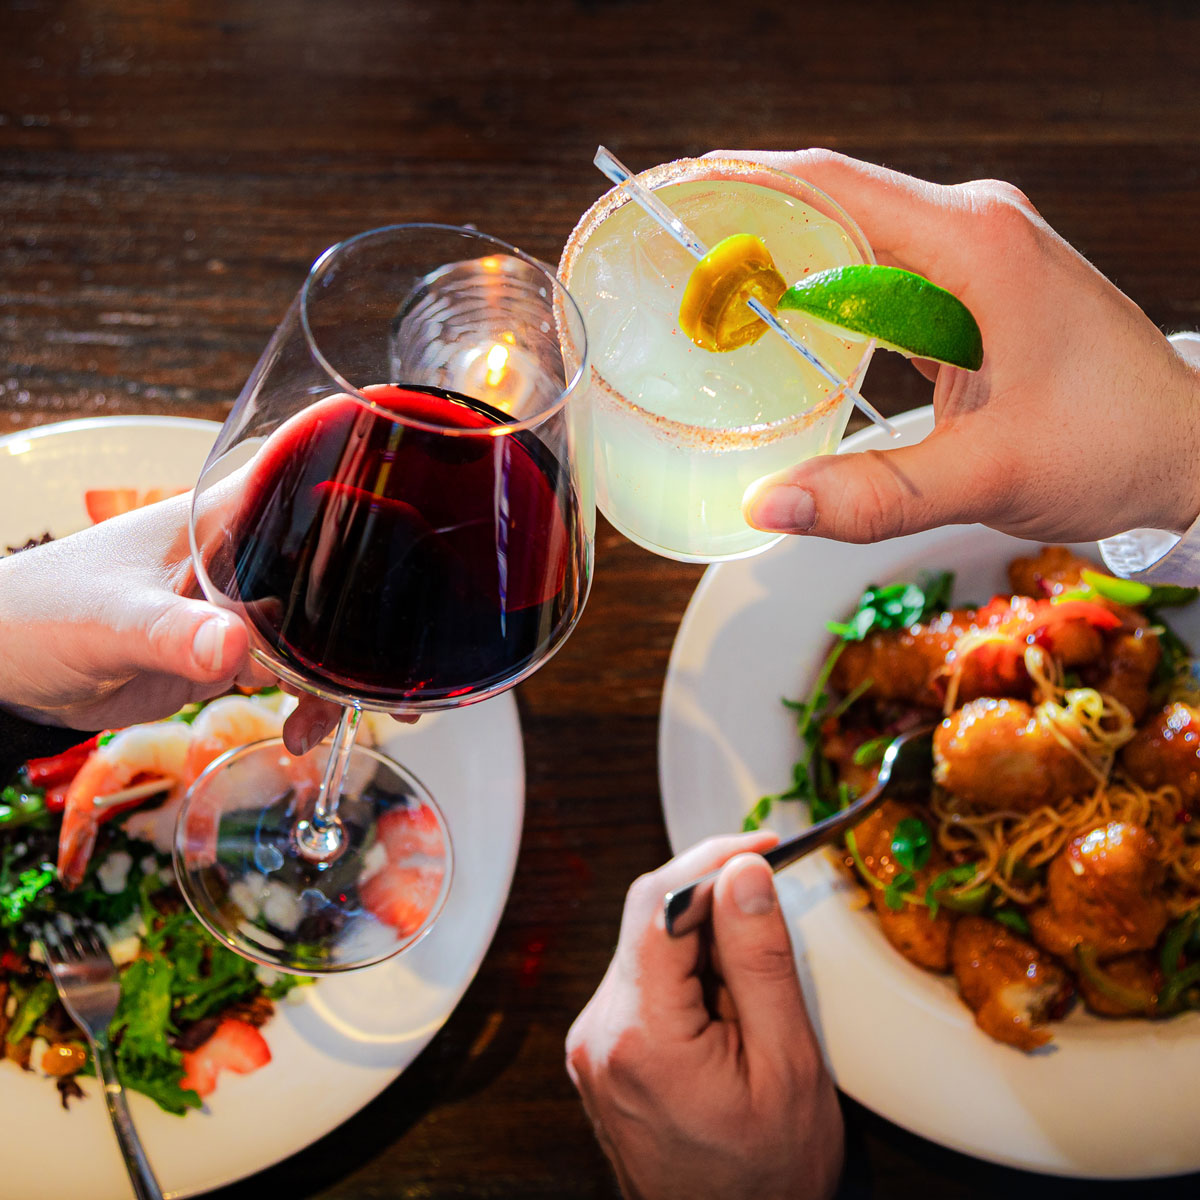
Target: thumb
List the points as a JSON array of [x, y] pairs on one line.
[[191, 639], [755, 953], [871, 495]]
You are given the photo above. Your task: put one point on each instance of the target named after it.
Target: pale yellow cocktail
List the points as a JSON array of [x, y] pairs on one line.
[[681, 432]]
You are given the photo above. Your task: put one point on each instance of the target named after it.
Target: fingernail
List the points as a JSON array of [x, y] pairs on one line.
[[208, 645], [782, 509], [305, 740], [754, 891]]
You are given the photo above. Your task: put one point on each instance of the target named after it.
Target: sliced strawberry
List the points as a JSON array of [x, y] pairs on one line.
[[234, 1046], [408, 831], [102, 503], [402, 896]]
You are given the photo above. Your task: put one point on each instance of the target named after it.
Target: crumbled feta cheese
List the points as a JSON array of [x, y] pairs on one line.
[[36, 953], [281, 906], [374, 860], [125, 950], [37, 1052], [149, 864], [247, 894], [266, 975], [113, 872]]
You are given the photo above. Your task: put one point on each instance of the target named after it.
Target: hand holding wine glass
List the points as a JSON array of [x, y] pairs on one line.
[[399, 508]]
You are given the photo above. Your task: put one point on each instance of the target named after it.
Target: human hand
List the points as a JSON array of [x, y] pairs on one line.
[[98, 630], [695, 1059], [1083, 422]]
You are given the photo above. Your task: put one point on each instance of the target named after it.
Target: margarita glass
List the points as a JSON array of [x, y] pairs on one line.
[[681, 432]]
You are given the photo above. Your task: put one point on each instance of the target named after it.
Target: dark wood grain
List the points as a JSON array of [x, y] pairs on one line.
[[168, 169]]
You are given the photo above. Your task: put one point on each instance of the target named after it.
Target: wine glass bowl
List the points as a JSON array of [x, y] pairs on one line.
[[380, 894], [399, 507]]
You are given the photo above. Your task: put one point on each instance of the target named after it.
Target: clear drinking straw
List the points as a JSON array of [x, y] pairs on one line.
[[622, 176]]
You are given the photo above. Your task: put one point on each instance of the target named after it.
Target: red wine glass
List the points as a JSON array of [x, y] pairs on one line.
[[400, 508]]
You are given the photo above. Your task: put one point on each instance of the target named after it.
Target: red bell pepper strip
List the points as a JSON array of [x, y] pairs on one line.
[[60, 768]]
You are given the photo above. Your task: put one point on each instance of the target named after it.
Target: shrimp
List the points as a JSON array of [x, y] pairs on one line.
[[141, 753], [225, 723]]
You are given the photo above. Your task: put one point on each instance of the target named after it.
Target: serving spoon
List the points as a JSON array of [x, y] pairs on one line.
[[907, 761]]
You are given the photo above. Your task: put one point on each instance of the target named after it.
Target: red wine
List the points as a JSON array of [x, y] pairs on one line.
[[393, 562]]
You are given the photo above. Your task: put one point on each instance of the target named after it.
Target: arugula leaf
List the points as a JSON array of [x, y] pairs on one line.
[[1013, 918], [22, 806], [911, 843], [141, 1030], [944, 881], [285, 983], [758, 814], [143, 1018], [15, 902], [811, 774], [894, 893], [872, 752], [895, 606]]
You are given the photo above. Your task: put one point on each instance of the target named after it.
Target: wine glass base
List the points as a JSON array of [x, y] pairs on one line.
[[242, 873]]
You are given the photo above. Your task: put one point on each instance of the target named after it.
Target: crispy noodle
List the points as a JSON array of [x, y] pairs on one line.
[[1090, 725], [955, 661], [1011, 847]]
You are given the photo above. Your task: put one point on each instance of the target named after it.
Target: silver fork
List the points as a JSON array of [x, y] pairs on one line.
[[86, 978]]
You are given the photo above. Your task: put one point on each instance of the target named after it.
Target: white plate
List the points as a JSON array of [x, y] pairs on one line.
[[349, 1036], [1111, 1099]]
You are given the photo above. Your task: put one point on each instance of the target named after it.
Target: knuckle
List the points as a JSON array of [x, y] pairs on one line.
[[626, 1059], [579, 1061], [160, 635], [1001, 210], [774, 964], [644, 892], [877, 507]]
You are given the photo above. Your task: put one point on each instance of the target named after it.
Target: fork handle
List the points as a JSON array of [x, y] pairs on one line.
[[145, 1185], [687, 907]]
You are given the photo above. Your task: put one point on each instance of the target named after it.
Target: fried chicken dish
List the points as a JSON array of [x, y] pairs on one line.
[[1053, 860]]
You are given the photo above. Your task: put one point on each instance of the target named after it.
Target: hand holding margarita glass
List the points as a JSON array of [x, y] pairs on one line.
[[681, 432]]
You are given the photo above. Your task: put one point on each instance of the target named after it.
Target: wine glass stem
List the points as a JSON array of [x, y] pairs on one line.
[[321, 837]]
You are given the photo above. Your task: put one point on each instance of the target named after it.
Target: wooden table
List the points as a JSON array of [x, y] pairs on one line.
[[168, 168]]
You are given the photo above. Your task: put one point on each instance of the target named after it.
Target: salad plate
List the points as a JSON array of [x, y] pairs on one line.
[[337, 1044], [1107, 1099]]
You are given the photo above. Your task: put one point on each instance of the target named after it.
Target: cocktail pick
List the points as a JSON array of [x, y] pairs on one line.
[[622, 176]]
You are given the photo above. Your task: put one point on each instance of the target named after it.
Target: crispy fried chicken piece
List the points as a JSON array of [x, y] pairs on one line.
[[1102, 892], [1010, 986], [913, 665], [1126, 668], [1053, 570], [902, 664], [1166, 750], [922, 938], [997, 754]]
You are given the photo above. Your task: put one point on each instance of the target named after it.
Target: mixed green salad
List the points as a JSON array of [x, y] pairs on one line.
[[188, 1006]]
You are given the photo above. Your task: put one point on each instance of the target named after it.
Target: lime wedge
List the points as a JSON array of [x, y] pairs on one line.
[[902, 311], [714, 311]]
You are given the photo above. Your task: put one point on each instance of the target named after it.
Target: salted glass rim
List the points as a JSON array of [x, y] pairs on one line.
[[722, 167], [561, 301]]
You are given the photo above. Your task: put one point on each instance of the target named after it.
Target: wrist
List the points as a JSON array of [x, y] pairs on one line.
[[1181, 443]]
